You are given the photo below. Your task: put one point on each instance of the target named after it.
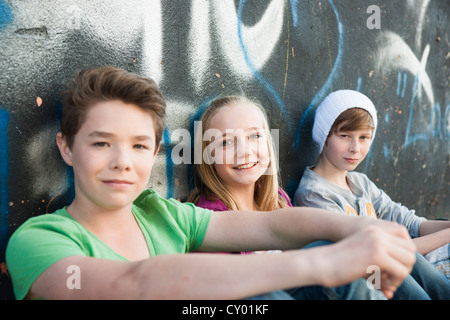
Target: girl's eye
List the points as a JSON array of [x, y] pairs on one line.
[[226, 143], [255, 136]]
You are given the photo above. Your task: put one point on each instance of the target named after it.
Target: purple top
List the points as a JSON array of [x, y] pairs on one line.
[[218, 205]]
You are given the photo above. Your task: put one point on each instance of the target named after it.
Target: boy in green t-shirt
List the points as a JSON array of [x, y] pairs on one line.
[[117, 240]]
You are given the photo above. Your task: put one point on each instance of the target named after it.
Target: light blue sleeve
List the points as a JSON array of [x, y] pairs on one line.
[[387, 209], [310, 193], [319, 200]]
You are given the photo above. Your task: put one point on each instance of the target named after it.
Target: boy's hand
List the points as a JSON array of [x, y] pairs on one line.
[[388, 247]]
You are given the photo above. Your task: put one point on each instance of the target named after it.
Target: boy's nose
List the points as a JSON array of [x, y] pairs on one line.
[[121, 160], [354, 146]]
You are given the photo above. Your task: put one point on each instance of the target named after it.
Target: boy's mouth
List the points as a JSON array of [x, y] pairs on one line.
[[117, 183], [351, 160], [246, 166]]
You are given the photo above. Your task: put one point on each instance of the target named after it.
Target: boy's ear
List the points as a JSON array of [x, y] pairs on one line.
[[157, 150], [64, 149]]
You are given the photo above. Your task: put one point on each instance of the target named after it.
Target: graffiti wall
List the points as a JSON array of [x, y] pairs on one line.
[[288, 54]]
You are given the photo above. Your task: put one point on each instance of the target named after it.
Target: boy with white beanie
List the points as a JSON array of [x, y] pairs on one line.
[[344, 127]]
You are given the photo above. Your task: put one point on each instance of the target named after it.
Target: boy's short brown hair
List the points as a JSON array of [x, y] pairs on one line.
[[107, 83], [351, 120]]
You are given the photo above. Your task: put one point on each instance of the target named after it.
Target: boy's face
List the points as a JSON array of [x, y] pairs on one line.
[[112, 155], [345, 150]]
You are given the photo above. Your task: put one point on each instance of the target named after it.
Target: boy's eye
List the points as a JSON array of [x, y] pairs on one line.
[[140, 146], [100, 144], [367, 136]]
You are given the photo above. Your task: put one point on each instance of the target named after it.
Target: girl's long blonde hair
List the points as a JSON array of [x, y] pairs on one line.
[[207, 181]]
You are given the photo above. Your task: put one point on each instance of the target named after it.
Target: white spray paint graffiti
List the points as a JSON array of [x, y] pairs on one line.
[[219, 19]]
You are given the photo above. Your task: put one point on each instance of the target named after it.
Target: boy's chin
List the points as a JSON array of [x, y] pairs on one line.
[[118, 203]]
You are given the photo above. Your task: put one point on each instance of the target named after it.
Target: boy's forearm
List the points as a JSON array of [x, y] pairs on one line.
[[178, 276], [312, 224], [431, 226], [426, 244], [217, 276], [283, 229], [432, 235]]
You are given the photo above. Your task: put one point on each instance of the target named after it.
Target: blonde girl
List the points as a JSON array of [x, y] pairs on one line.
[[239, 170]]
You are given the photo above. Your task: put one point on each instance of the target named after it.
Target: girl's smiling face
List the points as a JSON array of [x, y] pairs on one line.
[[240, 149], [112, 155]]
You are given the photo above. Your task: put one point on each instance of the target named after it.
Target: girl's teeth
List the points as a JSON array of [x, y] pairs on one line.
[[245, 166]]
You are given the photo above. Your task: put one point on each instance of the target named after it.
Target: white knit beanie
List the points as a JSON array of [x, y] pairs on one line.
[[333, 105]]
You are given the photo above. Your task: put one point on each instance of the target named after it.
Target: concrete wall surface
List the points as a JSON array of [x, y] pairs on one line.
[[288, 54]]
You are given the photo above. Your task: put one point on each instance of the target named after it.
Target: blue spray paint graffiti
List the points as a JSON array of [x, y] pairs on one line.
[[294, 9], [257, 74], [5, 14], [400, 91], [4, 203], [331, 78], [447, 121], [418, 136], [359, 84], [435, 117], [169, 163]]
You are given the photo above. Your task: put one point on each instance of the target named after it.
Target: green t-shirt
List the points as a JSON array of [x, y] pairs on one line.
[[169, 227]]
